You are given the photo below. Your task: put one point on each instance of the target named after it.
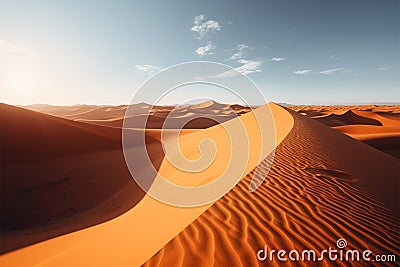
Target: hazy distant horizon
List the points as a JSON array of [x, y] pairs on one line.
[[176, 104]]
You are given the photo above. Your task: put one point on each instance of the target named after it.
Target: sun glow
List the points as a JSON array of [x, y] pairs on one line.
[[20, 84]]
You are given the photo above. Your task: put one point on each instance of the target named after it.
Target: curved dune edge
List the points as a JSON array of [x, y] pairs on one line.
[[132, 238]]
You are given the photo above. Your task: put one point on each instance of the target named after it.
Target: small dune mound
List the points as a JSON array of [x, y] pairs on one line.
[[208, 104], [347, 118]]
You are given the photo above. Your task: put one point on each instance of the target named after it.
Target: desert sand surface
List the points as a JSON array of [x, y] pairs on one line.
[[377, 126], [322, 186], [70, 199], [107, 243]]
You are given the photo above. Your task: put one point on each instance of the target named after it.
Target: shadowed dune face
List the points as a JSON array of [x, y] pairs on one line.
[[31, 136], [59, 176], [377, 126], [389, 145], [319, 189]]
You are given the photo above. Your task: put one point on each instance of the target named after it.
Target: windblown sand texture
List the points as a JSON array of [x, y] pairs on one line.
[[322, 186]]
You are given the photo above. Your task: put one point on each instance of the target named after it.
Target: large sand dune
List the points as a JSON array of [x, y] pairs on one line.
[[135, 236], [322, 186], [59, 176]]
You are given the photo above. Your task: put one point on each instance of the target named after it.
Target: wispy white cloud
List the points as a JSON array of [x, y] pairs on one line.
[[277, 59], [238, 52], [332, 56], [303, 72], [247, 67], [330, 71], [324, 72], [202, 26], [205, 50], [147, 68], [13, 48], [383, 68]]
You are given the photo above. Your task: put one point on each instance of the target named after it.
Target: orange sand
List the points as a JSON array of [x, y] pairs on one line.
[[322, 186]]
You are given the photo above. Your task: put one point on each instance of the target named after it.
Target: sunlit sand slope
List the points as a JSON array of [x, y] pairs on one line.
[[322, 186]]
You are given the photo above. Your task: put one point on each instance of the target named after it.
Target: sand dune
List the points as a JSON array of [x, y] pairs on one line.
[[320, 188], [127, 232], [59, 176], [55, 158], [347, 118], [384, 138], [33, 136]]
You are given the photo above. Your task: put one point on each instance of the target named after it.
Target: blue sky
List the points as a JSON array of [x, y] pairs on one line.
[[99, 52]]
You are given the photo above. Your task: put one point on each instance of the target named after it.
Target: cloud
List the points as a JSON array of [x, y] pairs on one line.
[[325, 72], [13, 48], [238, 52], [247, 67], [332, 56], [330, 71], [383, 68], [205, 50], [202, 26], [303, 72], [148, 69], [277, 59]]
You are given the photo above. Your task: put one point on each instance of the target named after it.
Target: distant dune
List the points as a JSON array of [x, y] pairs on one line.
[[377, 126], [114, 116]]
